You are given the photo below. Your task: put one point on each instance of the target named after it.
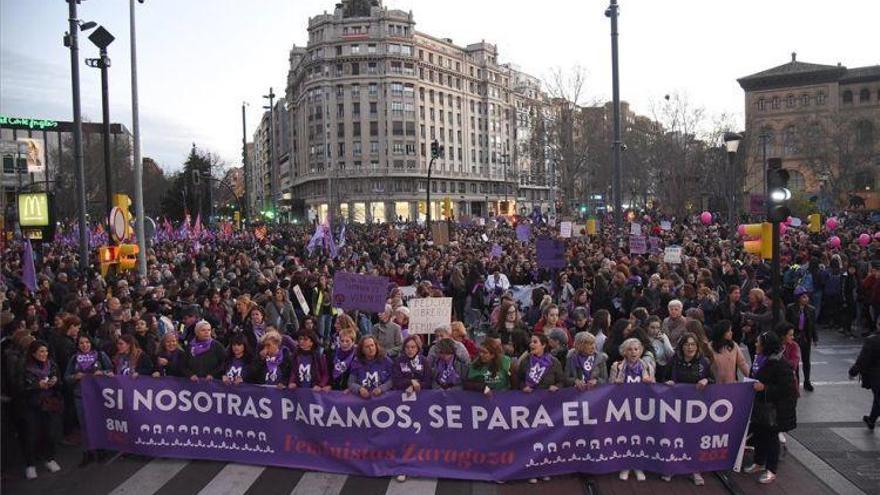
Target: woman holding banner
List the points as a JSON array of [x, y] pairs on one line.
[[632, 368], [238, 360], [171, 357], [371, 370], [130, 359], [340, 359], [539, 370], [449, 369], [411, 372], [42, 407], [490, 372], [585, 366], [513, 333], [272, 366], [308, 369], [206, 356], [775, 408], [689, 365], [86, 361]]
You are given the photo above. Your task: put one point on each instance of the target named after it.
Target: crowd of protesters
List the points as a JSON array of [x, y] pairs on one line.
[[229, 309]]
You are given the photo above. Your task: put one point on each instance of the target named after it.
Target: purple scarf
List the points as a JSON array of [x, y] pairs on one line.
[[586, 363], [303, 372], [86, 362], [415, 366], [235, 369], [41, 370], [259, 330], [123, 365], [633, 374], [538, 366], [198, 347], [342, 362], [758, 364], [447, 375], [272, 363]]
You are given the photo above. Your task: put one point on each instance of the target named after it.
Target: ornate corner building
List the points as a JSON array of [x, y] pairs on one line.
[[364, 100], [823, 122]]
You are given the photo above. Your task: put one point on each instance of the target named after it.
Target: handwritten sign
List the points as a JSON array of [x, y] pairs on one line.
[[672, 254], [429, 313], [363, 292], [635, 228], [655, 244], [565, 230], [637, 244]]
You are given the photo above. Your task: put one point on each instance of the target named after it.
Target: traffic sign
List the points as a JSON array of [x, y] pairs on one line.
[[117, 223]]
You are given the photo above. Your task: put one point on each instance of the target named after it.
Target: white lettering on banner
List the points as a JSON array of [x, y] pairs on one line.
[[429, 313], [301, 298]]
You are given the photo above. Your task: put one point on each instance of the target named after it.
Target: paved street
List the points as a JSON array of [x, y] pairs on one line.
[[830, 452]]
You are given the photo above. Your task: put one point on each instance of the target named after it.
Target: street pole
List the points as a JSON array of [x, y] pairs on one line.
[[138, 163], [764, 158], [775, 280], [73, 40], [104, 64], [428, 196], [731, 213], [273, 172], [244, 163], [612, 12]]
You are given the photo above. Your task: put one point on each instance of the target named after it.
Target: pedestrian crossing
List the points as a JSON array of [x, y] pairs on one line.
[[182, 477]]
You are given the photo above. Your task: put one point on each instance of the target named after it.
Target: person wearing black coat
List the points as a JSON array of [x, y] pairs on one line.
[[803, 317], [776, 385], [868, 367], [205, 356], [272, 364], [42, 406]]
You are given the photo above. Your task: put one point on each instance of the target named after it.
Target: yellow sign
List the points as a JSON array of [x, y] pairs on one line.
[[33, 210]]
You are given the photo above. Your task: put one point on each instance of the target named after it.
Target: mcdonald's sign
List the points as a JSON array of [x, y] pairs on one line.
[[33, 210]]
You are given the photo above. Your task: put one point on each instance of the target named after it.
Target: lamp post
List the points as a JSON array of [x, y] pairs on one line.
[[612, 12], [436, 152], [273, 172], [731, 144], [244, 163], [102, 39], [71, 40], [138, 163]]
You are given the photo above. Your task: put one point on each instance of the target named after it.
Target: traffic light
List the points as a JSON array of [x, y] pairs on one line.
[[123, 202], [107, 258], [591, 226], [436, 149], [583, 209], [126, 257], [760, 234], [815, 223], [777, 186], [447, 207]]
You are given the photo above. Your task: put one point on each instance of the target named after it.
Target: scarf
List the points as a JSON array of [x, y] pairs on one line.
[[272, 363], [236, 367], [416, 365], [633, 373], [198, 347], [758, 364], [259, 330], [447, 375], [342, 362], [41, 370], [586, 363], [304, 370], [123, 365], [538, 366], [85, 362]]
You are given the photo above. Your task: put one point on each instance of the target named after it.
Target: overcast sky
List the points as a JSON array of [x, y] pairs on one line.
[[199, 59]]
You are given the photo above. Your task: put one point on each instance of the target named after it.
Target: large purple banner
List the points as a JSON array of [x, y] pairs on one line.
[[446, 434]]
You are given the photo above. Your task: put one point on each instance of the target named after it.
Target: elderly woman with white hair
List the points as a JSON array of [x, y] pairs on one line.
[[632, 369], [585, 365], [674, 324], [205, 356]]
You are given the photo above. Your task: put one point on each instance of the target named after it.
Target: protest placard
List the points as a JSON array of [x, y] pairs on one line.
[[635, 228], [363, 292], [565, 230], [426, 314], [672, 254], [655, 244], [551, 253], [301, 298], [665, 225], [496, 251], [523, 232], [484, 237], [440, 233], [637, 244]]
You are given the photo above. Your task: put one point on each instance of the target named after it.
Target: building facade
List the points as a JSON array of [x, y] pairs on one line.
[[366, 97], [822, 121]]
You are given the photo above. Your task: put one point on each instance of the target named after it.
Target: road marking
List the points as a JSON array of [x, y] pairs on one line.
[[416, 486], [822, 384], [150, 478], [325, 483], [234, 479]]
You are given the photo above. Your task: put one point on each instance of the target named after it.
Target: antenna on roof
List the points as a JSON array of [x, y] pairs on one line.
[[794, 56]]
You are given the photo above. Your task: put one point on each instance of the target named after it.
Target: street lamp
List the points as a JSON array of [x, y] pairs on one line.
[[136, 141], [436, 152], [71, 40], [102, 39], [731, 144]]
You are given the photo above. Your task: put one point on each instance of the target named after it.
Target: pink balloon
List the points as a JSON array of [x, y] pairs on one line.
[[864, 240], [834, 241], [877, 235], [706, 218], [783, 228], [741, 230], [831, 223]]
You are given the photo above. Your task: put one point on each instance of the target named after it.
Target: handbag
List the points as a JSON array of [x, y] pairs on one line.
[[764, 413]]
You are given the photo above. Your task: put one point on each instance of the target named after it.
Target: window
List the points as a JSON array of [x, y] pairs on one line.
[[340, 130], [847, 97], [355, 69], [338, 70], [864, 95], [374, 128], [374, 147], [397, 148], [789, 141], [820, 98], [8, 165], [776, 103], [340, 91], [355, 110], [796, 181], [397, 108], [374, 90], [410, 148], [371, 48], [340, 110], [396, 89], [789, 101], [339, 50], [410, 128], [355, 49], [805, 100], [356, 91], [397, 128], [356, 129], [406, 50], [356, 149], [393, 48], [374, 109], [371, 68], [341, 149]]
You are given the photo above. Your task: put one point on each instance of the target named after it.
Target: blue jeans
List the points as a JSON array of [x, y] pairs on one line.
[[325, 327]]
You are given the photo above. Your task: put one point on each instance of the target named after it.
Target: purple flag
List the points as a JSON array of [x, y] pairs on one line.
[[523, 232], [28, 272], [316, 238], [440, 434], [363, 292]]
